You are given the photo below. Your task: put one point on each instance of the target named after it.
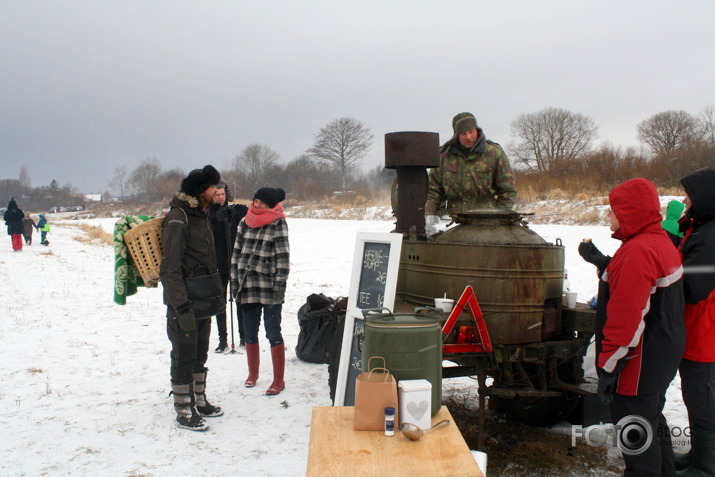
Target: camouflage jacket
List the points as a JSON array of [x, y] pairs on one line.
[[466, 180]]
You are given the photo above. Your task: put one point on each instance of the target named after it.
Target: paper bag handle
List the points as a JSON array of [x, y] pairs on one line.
[[386, 372], [384, 363]]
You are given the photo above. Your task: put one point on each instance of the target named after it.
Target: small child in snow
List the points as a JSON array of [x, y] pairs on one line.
[[44, 227]]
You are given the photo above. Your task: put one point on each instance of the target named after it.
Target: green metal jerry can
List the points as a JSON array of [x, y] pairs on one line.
[[411, 345]]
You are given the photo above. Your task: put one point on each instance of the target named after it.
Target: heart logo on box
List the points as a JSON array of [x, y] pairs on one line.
[[417, 410]]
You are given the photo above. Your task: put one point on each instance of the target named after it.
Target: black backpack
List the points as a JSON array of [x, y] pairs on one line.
[[317, 325]]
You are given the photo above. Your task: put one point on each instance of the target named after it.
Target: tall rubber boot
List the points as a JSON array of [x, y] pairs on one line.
[[253, 355], [703, 459], [187, 417], [205, 408], [278, 356]]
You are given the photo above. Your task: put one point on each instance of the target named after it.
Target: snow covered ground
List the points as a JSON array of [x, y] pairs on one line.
[[87, 381]]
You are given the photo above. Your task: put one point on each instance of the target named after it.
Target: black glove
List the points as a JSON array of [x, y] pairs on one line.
[[591, 254], [223, 214], [186, 317], [279, 296], [606, 386]]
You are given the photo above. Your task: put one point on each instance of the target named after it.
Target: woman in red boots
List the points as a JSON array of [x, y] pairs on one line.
[[259, 273]]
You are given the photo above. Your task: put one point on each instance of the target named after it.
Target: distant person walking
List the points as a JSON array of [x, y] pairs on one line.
[[259, 274], [13, 219], [28, 226], [44, 227]]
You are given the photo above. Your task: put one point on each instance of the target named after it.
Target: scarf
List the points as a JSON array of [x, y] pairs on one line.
[[257, 218]]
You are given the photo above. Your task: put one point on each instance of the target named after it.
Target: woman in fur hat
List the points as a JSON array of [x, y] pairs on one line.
[[13, 219], [187, 241], [259, 273]]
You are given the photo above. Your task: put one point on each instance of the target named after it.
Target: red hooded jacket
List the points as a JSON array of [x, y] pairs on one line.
[[644, 332]]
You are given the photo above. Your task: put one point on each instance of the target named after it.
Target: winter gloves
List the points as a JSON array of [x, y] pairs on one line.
[[279, 296], [186, 317], [606, 386], [591, 254], [431, 223]]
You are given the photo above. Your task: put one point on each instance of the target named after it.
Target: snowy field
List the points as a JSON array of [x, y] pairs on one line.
[[87, 381]]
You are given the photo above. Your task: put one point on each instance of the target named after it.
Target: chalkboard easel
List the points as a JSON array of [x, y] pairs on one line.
[[373, 283]]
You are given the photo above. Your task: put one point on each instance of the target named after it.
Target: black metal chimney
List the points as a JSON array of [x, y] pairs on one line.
[[410, 153]]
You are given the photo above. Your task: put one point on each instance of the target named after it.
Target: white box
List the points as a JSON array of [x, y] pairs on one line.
[[415, 398]]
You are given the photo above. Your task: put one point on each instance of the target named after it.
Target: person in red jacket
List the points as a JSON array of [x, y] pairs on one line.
[[643, 335], [697, 370]]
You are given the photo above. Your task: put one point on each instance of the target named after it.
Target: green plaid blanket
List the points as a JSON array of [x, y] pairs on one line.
[[126, 276]]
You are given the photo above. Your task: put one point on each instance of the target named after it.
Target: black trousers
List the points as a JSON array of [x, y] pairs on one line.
[[697, 381], [655, 459], [188, 353], [221, 317]]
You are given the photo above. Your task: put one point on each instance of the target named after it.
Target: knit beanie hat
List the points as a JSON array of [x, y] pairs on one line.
[[199, 180], [464, 122], [270, 196], [12, 204]]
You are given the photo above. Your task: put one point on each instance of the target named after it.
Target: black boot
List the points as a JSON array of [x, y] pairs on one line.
[[683, 459], [222, 347], [187, 417], [703, 454], [205, 408]]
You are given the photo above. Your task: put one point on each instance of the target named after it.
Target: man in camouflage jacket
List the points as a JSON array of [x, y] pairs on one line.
[[474, 173]]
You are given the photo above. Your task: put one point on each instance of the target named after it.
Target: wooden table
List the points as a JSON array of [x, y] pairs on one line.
[[337, 450]]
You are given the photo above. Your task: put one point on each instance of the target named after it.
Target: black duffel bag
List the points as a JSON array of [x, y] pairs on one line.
[[317, 324], [206, 291]]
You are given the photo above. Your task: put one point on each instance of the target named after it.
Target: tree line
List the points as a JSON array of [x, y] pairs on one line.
[[554, 150], [551, 148]]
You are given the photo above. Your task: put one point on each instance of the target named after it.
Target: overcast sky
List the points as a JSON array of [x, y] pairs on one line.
[[89, 85]]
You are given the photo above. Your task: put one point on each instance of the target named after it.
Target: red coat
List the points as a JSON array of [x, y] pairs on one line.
[[644, 332], [697, 249]]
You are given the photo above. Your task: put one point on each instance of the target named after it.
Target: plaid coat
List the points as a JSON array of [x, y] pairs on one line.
[[260, 262]]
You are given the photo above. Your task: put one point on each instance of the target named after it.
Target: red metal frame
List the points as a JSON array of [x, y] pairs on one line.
[[468, 298]]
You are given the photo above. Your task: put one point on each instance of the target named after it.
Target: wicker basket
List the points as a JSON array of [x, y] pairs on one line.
[[144, 244]]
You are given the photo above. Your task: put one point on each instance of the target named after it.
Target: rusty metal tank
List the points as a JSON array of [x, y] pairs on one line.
[[517, 276]]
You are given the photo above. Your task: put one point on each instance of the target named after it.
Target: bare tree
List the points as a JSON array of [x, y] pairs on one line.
[[25, 180], [665, 132], [706, 124], [551, 135], [168, 183], [119, 181], [342, 143], [309, 179], [144, 177], [252, 168]]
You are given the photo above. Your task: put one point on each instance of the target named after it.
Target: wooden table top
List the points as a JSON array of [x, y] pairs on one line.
[[337, 450]]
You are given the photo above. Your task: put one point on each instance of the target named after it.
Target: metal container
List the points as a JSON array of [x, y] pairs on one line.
[[411, 345], [516, 275]]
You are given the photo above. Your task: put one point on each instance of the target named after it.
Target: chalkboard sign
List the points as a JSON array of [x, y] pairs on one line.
[[373, 275], [372, 285]]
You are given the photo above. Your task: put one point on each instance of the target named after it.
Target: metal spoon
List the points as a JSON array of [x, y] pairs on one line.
[[413, 432]]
